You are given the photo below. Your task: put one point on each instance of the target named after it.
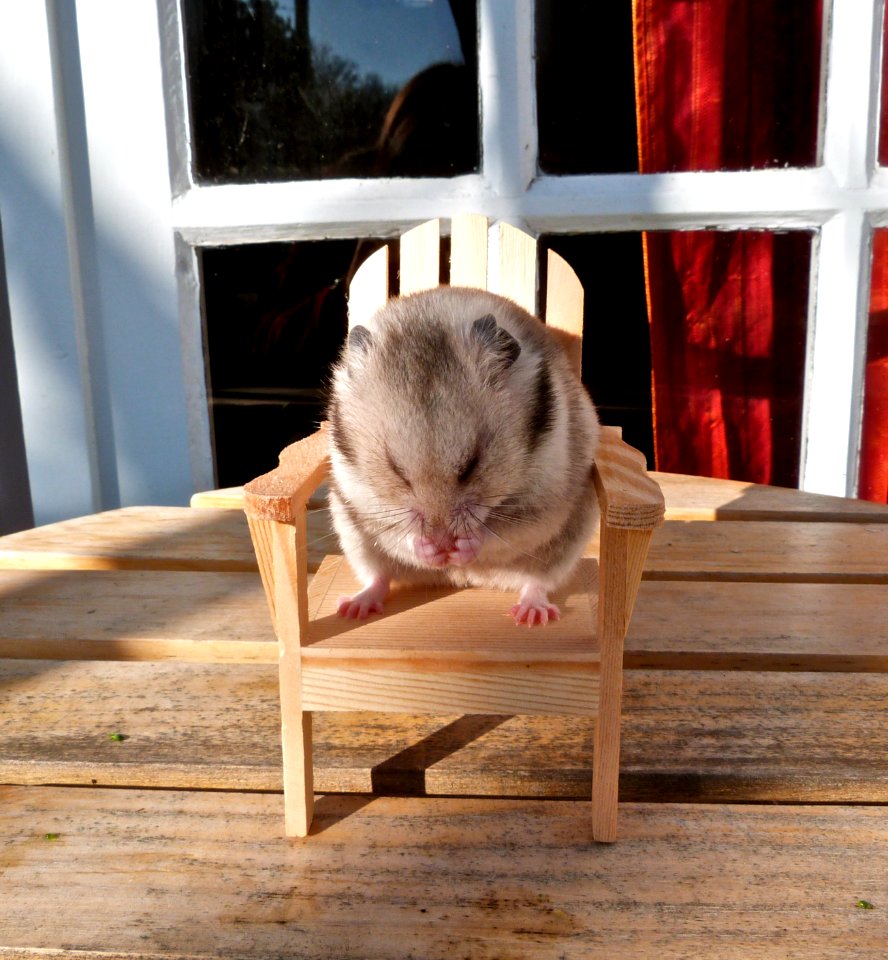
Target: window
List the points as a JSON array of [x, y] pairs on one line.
[[784, 205]]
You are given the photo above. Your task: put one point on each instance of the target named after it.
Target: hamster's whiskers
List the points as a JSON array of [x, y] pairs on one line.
[[493, 533]]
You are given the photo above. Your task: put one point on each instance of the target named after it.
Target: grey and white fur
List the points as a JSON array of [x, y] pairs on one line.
[[462, 445]]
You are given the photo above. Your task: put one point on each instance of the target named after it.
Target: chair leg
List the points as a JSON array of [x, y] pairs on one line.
[[623, 553], [298, 774], [290, 610]]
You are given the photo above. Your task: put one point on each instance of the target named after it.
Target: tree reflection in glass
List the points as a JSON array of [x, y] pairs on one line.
[[290, 90]]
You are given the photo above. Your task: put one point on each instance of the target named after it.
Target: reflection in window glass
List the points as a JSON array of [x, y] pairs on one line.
[[727, 84], [295, 89], [873, 483]]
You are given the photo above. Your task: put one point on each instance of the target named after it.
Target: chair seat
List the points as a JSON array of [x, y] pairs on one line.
[[457, 647]]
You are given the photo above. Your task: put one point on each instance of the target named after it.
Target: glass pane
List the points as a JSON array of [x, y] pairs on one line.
[[610, 267], [728, 316], [585, 87], [874, 440], [275, 320], [694, 344], [727, 84], [294, 90]]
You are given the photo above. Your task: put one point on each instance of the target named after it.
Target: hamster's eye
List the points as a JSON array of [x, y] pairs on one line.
[[469, 467], [397, 471]]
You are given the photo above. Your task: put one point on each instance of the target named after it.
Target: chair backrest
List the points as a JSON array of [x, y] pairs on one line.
[[501, 259]]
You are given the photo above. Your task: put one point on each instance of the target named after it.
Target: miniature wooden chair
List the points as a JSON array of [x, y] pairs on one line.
[[449, 650]]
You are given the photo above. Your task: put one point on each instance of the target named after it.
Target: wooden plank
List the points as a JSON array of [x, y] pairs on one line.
[[419, 267], [433, 623], [225, 498], [283, 493], [564, 308], [468, 251], [676, 625], [628, 497], [759, 626], [368, 290], [515, 276], [446, 650], [144, 874], [777, 552], [407, 687], [134, 615], [706, 736], [145, 538], [704, 498]]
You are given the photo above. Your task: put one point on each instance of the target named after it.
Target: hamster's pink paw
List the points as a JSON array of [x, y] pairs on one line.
[[431, 551], [465, 549], [366, 601], [533, 607], [532, 616]]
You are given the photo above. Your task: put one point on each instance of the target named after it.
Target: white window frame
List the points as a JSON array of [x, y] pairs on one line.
[[94, 114], [840, 200]]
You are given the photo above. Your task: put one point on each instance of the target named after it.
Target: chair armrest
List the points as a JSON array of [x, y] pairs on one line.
[[628, 497], [280, 494]]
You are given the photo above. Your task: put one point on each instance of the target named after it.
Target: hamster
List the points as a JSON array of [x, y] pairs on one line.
[[462, 445]]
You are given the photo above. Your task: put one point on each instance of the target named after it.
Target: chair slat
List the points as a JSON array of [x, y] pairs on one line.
[[516, 267], [420, 257], [468, 251], [368, 290], [564, 308]]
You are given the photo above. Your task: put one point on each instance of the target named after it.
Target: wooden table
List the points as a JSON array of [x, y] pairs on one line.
[[139, 745]]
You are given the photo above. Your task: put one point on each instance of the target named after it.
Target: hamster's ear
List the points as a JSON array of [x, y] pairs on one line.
[[505, 347], [359, 339]]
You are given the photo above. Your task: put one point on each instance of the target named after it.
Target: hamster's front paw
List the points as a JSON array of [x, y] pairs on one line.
[[533, 607], [444, 549], [465, 549], [366, 601]]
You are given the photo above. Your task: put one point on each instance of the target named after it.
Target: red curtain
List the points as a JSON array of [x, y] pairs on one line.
[[721, 85]]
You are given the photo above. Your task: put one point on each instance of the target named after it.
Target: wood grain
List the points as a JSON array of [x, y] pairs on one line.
[[705, 736], [758, 626], [134, 615], [439, 622], [282, 494], [784, 552], [146, 538], [211, 616], [174, 874], [468, 251], [443, 650], [705, 498], [627, 495]]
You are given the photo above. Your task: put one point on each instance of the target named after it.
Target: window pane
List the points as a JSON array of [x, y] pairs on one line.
[[275, 320], [728, 314], [727, 84], [874, 440], [294, 90], [585, 87], [616, 338]]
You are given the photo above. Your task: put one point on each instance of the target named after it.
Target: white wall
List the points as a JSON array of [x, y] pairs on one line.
[[90, 258]]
